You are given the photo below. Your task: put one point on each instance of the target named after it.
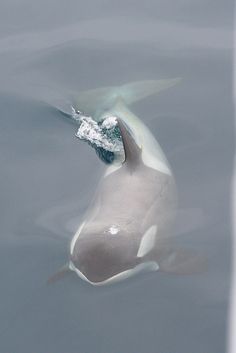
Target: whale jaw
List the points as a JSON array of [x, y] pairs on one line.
[[149, 266]]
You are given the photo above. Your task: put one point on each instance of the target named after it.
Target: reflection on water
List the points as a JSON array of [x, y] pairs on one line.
[[49, 51]]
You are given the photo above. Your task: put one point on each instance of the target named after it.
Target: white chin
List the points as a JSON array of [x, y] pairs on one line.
[[144, 267]]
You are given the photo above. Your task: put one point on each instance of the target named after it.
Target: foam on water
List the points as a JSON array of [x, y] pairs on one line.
[[103, 136]]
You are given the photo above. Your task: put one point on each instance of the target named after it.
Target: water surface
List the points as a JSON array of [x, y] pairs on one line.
[[47, 51]]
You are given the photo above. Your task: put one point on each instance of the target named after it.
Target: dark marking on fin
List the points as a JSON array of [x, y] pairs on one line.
[[132, 150]]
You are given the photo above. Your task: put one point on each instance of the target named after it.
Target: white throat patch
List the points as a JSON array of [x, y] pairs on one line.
[[144, 267]]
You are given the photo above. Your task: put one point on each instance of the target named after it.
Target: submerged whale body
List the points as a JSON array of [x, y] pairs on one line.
[[132, 206], [125, 229], [135, 199]]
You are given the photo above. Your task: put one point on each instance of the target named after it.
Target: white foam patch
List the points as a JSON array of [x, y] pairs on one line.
[[75, 237], [90, 130], [109, 122], [144, 267], [147, 241]]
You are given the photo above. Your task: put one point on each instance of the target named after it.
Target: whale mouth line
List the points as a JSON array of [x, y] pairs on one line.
[[144, 267]]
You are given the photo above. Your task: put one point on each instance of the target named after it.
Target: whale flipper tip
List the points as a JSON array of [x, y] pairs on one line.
[[59, 274], [184, 262]]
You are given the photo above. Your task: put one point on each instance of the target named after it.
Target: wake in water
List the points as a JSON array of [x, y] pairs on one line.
[[103, 136]]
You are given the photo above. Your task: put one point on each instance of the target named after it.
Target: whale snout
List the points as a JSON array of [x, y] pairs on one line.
[[100, 261], [98, 264]]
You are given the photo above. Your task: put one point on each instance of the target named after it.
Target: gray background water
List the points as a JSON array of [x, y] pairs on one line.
[[48, 177]]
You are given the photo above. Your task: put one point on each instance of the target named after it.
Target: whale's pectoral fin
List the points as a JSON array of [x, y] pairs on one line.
[[188, 220], [132, 150], [64, 271], [183, 262], [58, 98]]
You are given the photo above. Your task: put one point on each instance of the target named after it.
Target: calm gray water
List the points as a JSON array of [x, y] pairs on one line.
[[50, 48]]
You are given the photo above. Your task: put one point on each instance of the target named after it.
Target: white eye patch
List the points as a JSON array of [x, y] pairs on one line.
[[147, 241]]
